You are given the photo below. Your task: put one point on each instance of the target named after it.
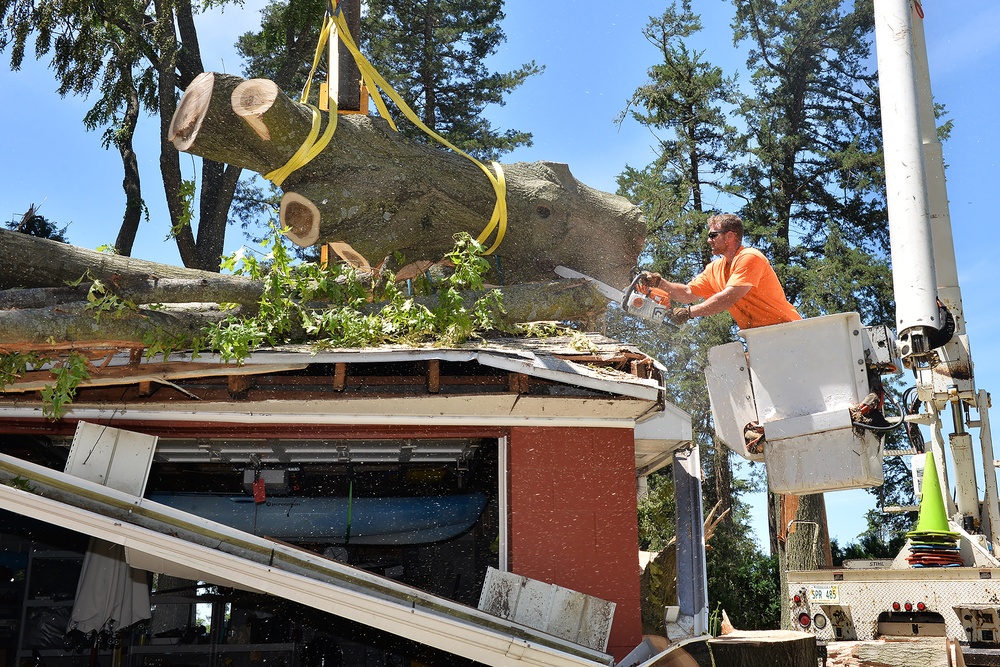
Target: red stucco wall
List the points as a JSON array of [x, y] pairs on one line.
[[573, 517]]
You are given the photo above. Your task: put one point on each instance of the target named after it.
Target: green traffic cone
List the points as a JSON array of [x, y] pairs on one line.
[[932, 517]]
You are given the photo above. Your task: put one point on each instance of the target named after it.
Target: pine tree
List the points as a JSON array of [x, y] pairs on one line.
[[433, 52], [683, 104], [813, 183], [282, 50]]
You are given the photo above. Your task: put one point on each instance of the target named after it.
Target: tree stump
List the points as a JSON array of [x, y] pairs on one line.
[[764, 648]]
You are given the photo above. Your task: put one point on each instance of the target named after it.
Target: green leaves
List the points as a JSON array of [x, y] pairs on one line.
[[295, 305], [102, 301], [15, 364], [69, 373], [434, 53]]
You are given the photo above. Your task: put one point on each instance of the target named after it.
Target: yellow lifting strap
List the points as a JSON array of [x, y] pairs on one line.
[[336, 23]]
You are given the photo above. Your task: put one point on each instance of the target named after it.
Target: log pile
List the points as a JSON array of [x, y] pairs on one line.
[[384, 194], [899, 652]]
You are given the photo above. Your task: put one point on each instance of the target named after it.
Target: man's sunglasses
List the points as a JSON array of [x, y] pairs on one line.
[[712, 235]]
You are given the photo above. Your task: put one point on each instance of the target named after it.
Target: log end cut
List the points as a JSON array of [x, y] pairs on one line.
[[301, 217], [251, 99], [191, 111]]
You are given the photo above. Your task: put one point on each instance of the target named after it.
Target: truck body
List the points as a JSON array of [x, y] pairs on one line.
[[814, 439]]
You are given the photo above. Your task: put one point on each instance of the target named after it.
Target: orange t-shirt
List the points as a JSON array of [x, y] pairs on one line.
[[763, 305]]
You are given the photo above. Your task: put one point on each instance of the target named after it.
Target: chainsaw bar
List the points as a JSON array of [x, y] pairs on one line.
[[634, 301]]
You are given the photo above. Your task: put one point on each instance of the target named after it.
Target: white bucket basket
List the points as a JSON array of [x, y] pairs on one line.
[[804, 377]]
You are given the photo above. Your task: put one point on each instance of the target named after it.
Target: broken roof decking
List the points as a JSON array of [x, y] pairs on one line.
[[165, 540], [495, 383], [590, 361]]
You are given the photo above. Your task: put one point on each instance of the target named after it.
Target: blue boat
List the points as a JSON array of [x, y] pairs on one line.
[[356, 521]]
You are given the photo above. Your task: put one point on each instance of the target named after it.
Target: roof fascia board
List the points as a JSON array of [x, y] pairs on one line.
[[347, 419]]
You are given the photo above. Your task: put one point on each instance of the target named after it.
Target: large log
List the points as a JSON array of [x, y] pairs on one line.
[[37, 306], [220, 289], [906, 651], [30, 261], [70, 324], [383, 194]]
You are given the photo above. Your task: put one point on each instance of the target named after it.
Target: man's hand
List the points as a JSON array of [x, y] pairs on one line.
[[679, 315], [650, 279]]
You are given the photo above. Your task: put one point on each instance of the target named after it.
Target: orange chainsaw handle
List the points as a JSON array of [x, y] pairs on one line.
[[659, 296]]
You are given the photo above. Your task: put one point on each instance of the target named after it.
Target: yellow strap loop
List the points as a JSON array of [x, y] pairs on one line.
[[375, 82], [310, 148]]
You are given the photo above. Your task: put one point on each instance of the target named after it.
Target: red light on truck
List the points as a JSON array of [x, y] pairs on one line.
[[797, 599], [908, 607], [921, 606], [804, 620], [895, 606]]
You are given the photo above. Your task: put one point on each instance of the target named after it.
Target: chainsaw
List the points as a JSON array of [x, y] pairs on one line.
[[639, 299]]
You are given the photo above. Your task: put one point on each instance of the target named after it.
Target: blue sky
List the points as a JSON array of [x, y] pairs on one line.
[[595, 57]]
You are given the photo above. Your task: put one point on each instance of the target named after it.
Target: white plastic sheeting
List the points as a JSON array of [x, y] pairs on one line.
[[110, 595]]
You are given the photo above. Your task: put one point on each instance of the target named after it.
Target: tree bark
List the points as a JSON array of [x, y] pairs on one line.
[[36, 262], [806, 546], [38, 301], [923, 651], [221, 289], [766, 648], [383, 194], [71, 323]]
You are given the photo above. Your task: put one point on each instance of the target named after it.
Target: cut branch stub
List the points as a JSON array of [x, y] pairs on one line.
[[301, 217], [383, 194]]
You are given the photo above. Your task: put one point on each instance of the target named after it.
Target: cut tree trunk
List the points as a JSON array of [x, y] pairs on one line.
[[30, 261], [764, 648], [37, 306], [72, 324], [903, 651], [384, 194]]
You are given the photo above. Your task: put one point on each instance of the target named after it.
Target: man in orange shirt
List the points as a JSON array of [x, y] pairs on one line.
[[740, 281], [743, 282]]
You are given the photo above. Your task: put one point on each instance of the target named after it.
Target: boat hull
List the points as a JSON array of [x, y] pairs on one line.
[[357, 521]]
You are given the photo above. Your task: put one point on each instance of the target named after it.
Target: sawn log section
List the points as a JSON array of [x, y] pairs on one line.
[[383, 194]]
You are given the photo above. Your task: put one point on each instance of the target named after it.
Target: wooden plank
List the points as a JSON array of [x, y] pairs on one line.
[[518, 383], [339, 376], [433, 376], [119, 375], [239, 385]]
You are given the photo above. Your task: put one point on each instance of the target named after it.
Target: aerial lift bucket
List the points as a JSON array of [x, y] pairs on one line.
[[797, 382]]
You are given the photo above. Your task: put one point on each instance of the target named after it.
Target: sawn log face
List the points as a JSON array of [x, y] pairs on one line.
[[383, 194]]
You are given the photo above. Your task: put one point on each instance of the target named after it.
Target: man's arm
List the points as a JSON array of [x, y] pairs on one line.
[[678, 291], [714, 304], [717, 303]]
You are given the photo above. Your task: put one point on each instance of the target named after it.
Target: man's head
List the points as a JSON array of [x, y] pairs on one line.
[[725, 233]]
